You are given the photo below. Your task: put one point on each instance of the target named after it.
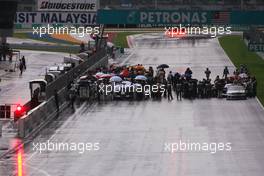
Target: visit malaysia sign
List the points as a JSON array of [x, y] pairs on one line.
[[81, 18]]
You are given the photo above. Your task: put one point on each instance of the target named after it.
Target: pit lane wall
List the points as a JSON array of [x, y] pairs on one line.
[[31, 123], [96, 60]]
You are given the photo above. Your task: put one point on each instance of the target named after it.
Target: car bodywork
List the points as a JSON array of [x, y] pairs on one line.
[[236, 92]]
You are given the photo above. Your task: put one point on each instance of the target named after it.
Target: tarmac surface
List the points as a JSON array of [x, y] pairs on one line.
[[132, 134], [15, 88]]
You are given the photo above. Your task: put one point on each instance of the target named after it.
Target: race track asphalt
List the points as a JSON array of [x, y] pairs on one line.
[[132, 134], [15, 88]]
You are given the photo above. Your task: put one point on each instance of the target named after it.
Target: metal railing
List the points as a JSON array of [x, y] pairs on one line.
[[67, 78]]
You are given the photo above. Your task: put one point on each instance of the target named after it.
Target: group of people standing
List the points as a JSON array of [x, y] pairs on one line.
[[187, 87], [184, 85]]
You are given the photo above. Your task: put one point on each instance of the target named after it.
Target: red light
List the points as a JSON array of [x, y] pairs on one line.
[[19, 112], [19, 108]]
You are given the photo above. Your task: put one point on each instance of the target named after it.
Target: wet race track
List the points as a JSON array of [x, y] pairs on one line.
[[132, 134], [15, 88]]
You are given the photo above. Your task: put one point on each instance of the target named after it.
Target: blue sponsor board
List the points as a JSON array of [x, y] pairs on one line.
[[179, 17], [151, 17]]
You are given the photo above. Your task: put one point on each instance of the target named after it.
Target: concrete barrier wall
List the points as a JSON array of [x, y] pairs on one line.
[[41, 115], [96, 60]]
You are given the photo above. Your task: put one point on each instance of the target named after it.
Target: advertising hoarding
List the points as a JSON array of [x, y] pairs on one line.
[[81, 18], [68, 5]]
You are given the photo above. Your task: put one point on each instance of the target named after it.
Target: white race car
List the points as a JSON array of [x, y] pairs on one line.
[[235, 91]]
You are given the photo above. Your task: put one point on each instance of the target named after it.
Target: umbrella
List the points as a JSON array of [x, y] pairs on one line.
[[83, 77], [115, 79], [141, 78], [106, 76], [125, 73], [139, 67], [128, 83], [99, 74], [163, 66]]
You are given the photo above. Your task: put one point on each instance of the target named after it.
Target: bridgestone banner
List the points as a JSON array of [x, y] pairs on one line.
[[68, 5], [82, 18]]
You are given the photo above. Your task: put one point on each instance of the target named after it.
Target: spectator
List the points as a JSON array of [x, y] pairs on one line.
[[151, 72], [24, 62], [82, 47], [225, 72], [207, 73], [179, 90], [72, 96], [21, 67], [169, 89], [170, 77], [188, 73]]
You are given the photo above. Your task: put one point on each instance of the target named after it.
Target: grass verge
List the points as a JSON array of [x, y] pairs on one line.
[[121, 38], [55, 48], [238, 53], [43, 39], [64, 49]]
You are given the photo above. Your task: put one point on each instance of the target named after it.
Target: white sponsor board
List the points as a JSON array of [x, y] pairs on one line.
[[82, 18], [68, 5]]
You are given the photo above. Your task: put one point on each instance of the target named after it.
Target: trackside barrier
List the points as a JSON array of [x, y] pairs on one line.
[[41, 114], [38, 117], [96, 60]]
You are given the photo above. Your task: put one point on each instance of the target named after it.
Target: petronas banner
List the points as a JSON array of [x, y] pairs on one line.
[[179, 17]]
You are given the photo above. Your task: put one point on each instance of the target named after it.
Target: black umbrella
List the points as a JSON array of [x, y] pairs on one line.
[[163, 66]]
